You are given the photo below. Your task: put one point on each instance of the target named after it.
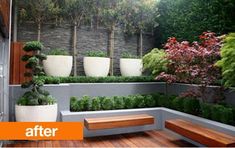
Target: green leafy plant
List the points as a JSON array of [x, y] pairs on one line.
[[96, 53], [192, 106], [155, 61], [74, 104], [107, 103], [96, 104], [128, 55], [36, 96], [85, 79], [118, 102], [149, 101], [178, 104], [206, 110], [129, 102], [86, 103], [57, 51], [227, 62], [139, 101]]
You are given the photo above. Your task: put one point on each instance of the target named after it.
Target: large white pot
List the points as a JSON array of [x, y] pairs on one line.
[[40, 113], [131, 67], [58, 65], [96, 66]]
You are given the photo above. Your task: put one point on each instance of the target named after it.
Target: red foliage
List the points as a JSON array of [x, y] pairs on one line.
[[193, 63]]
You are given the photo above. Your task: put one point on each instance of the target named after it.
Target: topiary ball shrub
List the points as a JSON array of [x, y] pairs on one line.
[[107, 103], [96, 104], [139, 101], [149, 101], [73, 104], [86, 103], [206, 110], [178, 104], [192, 106], [129, 102], [118, 102], [222, 114]]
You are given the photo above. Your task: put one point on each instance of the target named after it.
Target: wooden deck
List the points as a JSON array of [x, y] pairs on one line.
[[141, 139]]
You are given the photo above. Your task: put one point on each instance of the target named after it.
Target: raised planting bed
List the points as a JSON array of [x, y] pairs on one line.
[[218, 112], [160, 114]]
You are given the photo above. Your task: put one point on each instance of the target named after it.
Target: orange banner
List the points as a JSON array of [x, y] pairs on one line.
[[41, 130]]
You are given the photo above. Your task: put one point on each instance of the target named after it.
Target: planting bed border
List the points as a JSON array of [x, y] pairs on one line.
[[161, 114]]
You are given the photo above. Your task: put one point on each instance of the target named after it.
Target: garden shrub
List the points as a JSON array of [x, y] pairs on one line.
[[206, 110], [164, 101], [186, 19], [139, 101], [96, 104], [118, 102], [129, 102], [191, 106], [178, 104], [149, 101], [155, 61], [73, 104], [57, 51], [107, 103], [127, 55], [86, 103], [227, 62], [86, 79], [96, 53], [222, 114]]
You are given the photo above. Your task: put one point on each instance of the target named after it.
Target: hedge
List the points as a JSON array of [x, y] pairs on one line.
[[187, 19], [85, 79], [217, 112]]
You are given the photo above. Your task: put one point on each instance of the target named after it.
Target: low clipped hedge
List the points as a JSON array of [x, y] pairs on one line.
[[217, 112], [86, 79]]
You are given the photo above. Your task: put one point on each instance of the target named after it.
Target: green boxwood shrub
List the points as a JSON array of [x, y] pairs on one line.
[[191, 106], [129, 102], [139, 101], [178, 104], [96, 104], [206, 110], [118, 102], [107, 103], [220, 113], [85, 79], [149, 101]]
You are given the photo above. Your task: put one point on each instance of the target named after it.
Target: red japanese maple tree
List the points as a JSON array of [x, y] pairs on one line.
[[193, 63]]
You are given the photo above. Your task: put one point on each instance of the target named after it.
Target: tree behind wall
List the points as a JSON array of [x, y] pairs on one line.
[[138, 16], [38, 11], [76, 11], [109, 15], [186, 19]]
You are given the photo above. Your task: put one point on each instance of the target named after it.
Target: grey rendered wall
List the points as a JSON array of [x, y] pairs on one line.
[[63, 92], [87, 39]]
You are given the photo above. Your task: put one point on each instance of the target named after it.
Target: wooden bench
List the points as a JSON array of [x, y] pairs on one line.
[[118, 121], [200, 134]]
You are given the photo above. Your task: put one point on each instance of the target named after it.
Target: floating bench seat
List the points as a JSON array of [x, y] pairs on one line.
[[118, 121], [200, 134]]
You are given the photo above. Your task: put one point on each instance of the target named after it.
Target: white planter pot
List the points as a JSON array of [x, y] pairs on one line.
[[40, 113], [131, 67], [96, 66], [58, 65]]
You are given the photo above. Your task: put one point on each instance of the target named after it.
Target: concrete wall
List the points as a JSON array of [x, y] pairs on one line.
[[87, 39], [63, 92]]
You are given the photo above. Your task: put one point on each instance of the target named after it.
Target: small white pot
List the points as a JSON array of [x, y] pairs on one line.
[[58, 65], [40, 113], [131, 67], [96, 66]]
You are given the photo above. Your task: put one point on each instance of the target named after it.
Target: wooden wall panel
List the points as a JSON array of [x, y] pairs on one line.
[[17, 68]]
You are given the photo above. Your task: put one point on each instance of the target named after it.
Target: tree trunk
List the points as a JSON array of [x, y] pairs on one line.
[[74, 49], [39, 31], [111, 47], [140, 44]]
